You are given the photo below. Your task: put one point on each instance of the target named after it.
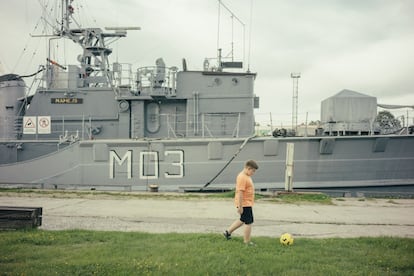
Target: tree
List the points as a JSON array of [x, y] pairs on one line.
[[387, 122], [315, 123]]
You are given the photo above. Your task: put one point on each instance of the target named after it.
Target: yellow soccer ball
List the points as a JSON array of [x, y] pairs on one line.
[[286, 239]]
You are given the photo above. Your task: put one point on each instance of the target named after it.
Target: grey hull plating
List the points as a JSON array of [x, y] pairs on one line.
[[172, 164]]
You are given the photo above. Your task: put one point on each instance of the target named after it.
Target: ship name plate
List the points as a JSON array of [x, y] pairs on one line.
[[66, 100]]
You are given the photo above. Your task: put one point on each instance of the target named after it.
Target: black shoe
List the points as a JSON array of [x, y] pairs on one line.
[[227, 235]]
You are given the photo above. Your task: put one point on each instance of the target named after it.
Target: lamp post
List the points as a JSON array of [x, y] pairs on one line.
[[295, 77]]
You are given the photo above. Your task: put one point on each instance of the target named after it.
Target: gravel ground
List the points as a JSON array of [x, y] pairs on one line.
[[348, 217]]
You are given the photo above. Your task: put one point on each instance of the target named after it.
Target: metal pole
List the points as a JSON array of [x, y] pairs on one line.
[[290, 149], [295, 77], [406, 132]]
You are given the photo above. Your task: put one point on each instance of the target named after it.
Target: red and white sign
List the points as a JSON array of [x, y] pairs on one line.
[[43, 124], [29, 125]]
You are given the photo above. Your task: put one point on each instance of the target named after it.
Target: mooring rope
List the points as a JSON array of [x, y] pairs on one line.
[[228, 163]]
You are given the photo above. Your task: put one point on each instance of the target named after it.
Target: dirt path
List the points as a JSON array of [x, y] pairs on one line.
[[346, 218]]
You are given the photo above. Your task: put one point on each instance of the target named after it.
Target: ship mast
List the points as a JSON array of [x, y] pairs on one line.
[[94, 63], [67, 11]]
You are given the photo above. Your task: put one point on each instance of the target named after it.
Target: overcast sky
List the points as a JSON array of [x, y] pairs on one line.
[[361, 45]]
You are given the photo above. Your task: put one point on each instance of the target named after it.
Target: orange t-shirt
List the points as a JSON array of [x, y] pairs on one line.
[[244, 184]]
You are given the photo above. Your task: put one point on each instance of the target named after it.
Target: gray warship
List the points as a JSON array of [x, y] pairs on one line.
[[106, 126]]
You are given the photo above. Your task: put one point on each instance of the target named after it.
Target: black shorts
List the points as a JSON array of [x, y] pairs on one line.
[[247, 215]]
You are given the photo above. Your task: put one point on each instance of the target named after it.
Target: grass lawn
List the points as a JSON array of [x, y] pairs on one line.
[[78, 252]]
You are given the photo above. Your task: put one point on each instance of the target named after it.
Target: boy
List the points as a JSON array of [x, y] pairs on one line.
[[244, 200]]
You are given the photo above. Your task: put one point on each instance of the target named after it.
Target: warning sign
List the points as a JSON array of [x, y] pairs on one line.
[[43, 124], [29, 125]]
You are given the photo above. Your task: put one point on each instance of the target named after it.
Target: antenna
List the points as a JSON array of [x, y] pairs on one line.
[[250, 35], [232, 64], [295, 77]]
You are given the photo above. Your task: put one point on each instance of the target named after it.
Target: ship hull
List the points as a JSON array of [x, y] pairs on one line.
[[134, 165]]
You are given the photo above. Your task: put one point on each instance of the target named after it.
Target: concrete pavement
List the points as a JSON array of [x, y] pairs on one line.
[[348, 217]]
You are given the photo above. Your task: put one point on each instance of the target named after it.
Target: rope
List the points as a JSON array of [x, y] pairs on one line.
[[31, 75], [228, 163]]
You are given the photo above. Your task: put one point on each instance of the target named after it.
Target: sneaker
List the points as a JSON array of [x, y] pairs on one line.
[[227, 235], [250, 244]]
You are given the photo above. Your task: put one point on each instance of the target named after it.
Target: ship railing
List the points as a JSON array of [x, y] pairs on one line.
[[207, 125], [122, 75], [156, 80], [344, 128], [221, 124], [70, 76], [63, 129], [71, 128]]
